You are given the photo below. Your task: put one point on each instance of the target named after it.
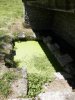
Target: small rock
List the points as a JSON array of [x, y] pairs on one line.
[[58, 76], [7, 46], [21, 35]]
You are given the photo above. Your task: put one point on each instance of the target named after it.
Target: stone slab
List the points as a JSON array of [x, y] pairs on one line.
[[57, 96], [19, 85]]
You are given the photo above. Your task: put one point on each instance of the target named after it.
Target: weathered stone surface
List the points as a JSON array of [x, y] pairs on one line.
[[59, 89], [59, 76], [2, 55], [24, 72], [58, 85], [3, 69], [57, 96], [21, 35], [64, 59], [19, 86], [64, 26], [7, 46], [58, 17]]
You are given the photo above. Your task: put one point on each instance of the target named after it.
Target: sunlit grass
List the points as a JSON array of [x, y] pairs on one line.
[[9, 11], [30, 55]]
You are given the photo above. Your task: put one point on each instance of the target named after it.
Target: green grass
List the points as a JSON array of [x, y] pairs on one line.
[[39, 68], [5, 83], [9, 11]]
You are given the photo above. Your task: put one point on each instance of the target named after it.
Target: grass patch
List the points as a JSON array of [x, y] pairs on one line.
[[10, 10], [40, 69], [5, 83]]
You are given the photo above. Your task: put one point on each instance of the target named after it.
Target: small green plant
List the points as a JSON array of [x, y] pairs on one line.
[[35, 84], [5, 83]]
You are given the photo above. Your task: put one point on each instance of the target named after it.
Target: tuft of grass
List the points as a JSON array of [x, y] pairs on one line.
[[5, 83], [40, 69]]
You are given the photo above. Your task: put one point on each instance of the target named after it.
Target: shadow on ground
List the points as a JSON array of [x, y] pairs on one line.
[[57, 66]]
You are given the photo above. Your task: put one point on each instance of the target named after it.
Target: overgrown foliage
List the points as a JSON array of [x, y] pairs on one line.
[[35, 84]]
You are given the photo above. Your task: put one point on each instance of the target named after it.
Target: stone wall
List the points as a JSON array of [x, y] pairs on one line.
[[38, 18], [60, 21], [64, 26]]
